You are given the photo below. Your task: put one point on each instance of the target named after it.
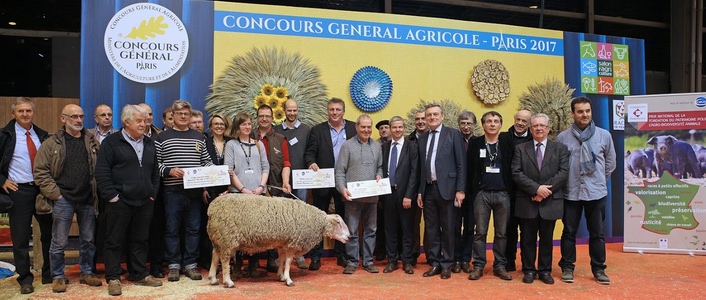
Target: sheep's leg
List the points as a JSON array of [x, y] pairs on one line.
[[225, 266], [214, 265], [280, 268], [286, 269]]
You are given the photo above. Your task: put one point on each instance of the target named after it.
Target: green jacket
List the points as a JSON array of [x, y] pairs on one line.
[[49, 163]]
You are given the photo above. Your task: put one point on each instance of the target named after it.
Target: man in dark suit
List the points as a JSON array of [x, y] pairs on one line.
[[490, 178], [325, 141], [540, 170], [19, 141], [442, 187], [420, 127], [402, 155]]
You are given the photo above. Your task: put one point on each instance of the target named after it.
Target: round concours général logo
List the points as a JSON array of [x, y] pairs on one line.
[[146, 42]]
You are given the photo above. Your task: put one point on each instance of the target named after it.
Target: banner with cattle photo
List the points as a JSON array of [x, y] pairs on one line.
[[665, 162]]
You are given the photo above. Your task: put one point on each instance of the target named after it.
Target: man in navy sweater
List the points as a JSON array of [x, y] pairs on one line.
[[127, 175]]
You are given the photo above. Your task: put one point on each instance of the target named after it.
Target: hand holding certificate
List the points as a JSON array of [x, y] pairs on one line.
[[368, 188], [206, 176], [310, 179]]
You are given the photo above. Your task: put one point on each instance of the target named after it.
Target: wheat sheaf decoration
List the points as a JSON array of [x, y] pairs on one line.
[[491, 81], [148, 28], [269, 76], [553, 98], [450, 108]]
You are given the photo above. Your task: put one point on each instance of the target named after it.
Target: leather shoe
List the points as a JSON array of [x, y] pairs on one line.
[[27, 288], [433, 271], [476, 274], [389, 268], [466, 267], [315, 264], [408, 268], [502, 274], [456, 267], [445, 273], [546, 278], [341, 261], [529, 277]]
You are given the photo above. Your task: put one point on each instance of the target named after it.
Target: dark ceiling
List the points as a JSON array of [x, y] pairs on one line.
[[33, 53]]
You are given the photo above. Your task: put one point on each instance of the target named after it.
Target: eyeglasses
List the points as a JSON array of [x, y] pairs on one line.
[[182, 113], [105, 115], [264, 117], [74, 117], [539, 126], [466, 124]]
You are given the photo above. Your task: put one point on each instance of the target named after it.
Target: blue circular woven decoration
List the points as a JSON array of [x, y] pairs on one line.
[[371, 89]]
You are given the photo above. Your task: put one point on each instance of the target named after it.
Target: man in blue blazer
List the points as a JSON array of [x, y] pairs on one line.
[[403, 155], [442, 186], [325, 141]]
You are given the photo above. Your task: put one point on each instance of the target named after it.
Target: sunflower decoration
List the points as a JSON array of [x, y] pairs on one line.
[[281, 94], [260, 100], [278, 114], [272, 74], [491, 81], [267, 90], [271, 102], [450, 108]]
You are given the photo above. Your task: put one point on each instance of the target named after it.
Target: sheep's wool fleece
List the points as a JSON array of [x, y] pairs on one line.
[[253, 223]]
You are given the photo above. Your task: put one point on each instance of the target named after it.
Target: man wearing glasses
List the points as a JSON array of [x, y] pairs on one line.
[[277, 152], [103, 116], [64, 171]]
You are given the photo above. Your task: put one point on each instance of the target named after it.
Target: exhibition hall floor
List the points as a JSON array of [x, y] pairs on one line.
[[633, 276]]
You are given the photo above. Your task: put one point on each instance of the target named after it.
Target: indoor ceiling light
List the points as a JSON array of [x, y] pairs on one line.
[[12, 23], [533, 7]]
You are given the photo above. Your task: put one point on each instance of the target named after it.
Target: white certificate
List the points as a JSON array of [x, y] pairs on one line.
[[206, 176], [308, 179], [367, 188]]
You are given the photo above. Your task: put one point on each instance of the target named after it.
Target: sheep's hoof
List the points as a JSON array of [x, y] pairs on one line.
[[214, 282], [282, 278], [229, 284], [290, 283]]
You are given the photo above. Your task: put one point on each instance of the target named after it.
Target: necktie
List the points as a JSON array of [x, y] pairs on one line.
[[31, 148], [392, 171], [429, 152], [539, 156]]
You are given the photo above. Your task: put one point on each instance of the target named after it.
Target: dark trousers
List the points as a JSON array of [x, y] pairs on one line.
[[594, 212], [530, 229], [513, 224], [155, 253], [182, 208], [439, 221], [20, 216], [499, 203], [380, 248], [322, 201], [464, 236], [399, 222], [120, 217]]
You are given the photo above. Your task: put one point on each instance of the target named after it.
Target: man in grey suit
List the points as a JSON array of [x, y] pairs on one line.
[[442, 186], [400, 161], [540, 169]]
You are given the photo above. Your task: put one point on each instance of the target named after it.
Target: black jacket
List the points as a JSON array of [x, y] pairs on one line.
[[476, 165], [7, 142], [120, 173]]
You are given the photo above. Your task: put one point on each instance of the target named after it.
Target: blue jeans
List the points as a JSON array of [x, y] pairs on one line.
[[594, 211], [499, 204], [63, 214], [300, 193], [178, 207], [366, 214]]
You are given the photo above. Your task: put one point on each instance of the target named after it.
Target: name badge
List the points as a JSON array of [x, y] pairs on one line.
[[482, 153], [249, 171], [492, 170], [293, 141]]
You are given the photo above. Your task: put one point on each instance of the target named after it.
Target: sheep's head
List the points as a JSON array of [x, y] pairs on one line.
[[335, 228]]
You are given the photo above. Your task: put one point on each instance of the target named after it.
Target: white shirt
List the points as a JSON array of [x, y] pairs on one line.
[[399, 151]]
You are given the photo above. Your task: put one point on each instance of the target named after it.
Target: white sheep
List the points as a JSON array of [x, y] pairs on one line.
[[253, 223]]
